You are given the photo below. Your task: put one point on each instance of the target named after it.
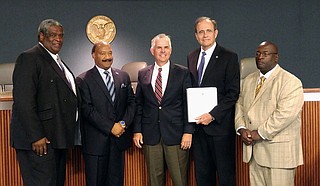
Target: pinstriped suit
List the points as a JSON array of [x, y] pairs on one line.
[[275, 113]]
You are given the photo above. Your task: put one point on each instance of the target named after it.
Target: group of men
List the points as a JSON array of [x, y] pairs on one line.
[[54, 111]]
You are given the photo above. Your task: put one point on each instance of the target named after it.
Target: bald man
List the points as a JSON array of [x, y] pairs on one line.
[[107, 116], [268, 120]]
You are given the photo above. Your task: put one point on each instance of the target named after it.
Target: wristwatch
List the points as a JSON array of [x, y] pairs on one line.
[[122, 123]]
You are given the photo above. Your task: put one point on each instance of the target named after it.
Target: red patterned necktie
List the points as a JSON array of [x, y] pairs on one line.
[[158, 86]]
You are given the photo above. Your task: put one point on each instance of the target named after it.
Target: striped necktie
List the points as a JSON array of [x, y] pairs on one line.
[[110, 85], [158, 86]]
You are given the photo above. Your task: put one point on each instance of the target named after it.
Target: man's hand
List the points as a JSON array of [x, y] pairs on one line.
[[40, 146], [137, 139], [255, 135], [204, 119], [186, 141], [246, 136], [117, 130]]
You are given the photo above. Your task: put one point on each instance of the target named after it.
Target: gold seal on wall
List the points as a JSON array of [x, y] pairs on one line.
[[101, 28]]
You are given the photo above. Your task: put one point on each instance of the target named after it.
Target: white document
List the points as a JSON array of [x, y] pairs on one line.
[[200, 100]]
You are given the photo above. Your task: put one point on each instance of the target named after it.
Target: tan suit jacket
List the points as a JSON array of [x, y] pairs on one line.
[[276, 114]]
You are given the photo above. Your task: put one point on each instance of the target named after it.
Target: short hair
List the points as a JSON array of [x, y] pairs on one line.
[[214, 22], [159, 36], [45, 24]]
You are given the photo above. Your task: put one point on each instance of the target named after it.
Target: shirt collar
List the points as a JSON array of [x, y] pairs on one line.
[[54, 56], [101, 70], [210, 50], [165, 67], [268, 74]]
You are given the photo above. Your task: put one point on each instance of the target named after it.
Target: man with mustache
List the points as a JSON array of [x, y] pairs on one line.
[[108, 109]]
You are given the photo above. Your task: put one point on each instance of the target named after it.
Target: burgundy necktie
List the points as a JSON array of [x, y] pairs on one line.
[[158, 86]]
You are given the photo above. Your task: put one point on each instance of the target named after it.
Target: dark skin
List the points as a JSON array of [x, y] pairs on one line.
[[103, 58], [53, 41], [266, 59]]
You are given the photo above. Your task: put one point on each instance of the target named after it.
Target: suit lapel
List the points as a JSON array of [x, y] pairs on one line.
[[170, 82], [252, 87], [117, 83], [193, 64], [98, 79], [267, 84], [54, 65], [147, 81], [213, 60]]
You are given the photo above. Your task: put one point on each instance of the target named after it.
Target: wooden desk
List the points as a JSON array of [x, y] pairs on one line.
[[135, 168]]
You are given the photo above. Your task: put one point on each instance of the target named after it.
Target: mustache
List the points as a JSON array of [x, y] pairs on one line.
[[107, 60]]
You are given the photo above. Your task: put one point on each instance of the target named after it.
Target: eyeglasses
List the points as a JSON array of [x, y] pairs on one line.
[[264, 54]]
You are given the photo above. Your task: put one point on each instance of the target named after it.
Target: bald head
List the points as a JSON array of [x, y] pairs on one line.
[[266, 56], [98, 44], [102, 54], [272, 46]]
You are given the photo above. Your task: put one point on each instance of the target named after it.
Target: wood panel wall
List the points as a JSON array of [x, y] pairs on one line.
[[135, 168]]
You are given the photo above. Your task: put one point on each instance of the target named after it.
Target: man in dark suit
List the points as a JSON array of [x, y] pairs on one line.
[[108, 108], [44, 114], [214, 139], [161, 124]]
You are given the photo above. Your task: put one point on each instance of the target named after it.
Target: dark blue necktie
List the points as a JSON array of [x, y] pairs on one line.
[[200, 69]]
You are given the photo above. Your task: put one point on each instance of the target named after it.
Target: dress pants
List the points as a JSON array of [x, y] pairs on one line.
[[107, 169], [214, 156], [160, 156], [46, 170], [260, 175]]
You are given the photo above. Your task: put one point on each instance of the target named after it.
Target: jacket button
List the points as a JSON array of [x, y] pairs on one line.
[[160, 108]]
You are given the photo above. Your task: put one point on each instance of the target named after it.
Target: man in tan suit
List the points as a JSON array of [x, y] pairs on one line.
[[269, 120]]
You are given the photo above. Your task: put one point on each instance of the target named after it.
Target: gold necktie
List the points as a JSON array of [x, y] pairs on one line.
[[262, 79]]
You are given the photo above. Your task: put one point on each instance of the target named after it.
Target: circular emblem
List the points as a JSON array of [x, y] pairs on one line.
[[101, 28]]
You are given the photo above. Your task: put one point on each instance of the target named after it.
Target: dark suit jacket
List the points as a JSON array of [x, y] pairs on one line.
[[169, 120], [44, 104], [99, 113], [222, 72]]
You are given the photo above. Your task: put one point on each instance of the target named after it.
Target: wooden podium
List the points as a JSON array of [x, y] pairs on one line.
[[135, 168]]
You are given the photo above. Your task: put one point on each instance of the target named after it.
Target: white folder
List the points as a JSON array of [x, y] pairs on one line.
[[200, 100]]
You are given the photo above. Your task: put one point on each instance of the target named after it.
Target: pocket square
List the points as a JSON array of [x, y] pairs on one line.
[[123, 85]]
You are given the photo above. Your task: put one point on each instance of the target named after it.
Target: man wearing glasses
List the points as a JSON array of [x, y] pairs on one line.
[[268, 120]]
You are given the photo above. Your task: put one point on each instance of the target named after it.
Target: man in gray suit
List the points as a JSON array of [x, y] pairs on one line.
[[44, 114], [161, 125]]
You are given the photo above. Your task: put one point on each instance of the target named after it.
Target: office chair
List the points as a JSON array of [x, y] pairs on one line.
[[132, 69]]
